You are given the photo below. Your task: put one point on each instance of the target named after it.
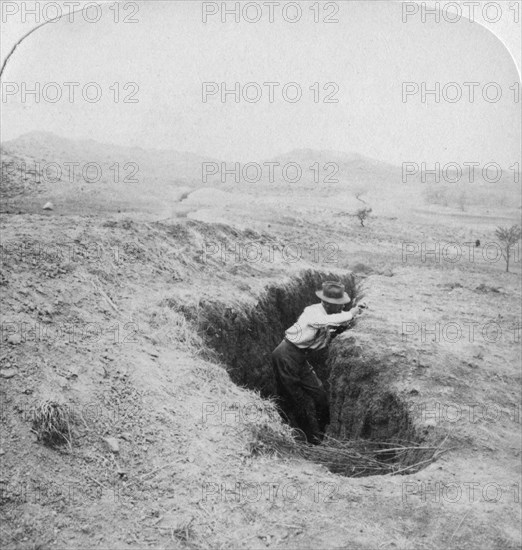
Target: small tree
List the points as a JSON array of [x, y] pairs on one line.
[[363, 214], [508, 238]]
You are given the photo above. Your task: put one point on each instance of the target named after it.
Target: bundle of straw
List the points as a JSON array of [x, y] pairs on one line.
[[351, 458]]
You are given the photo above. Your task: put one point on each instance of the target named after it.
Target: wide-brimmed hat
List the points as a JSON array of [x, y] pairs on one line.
[[333, 292]]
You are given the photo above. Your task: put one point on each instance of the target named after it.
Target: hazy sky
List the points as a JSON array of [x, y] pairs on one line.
[[368, 55]]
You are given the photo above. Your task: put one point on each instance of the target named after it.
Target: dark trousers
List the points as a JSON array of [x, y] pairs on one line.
[[302, 395]]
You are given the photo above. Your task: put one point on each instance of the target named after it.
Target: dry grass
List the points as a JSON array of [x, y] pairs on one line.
[[353, 458], [52, 423], [363, 457], [169, 326], [273, 439]]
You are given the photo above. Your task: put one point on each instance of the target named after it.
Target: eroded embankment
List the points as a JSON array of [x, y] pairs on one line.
[[362, 401], [363, 404], [245, 336]]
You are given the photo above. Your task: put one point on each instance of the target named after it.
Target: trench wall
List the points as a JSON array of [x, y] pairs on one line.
[[244, 337], [362, 401]]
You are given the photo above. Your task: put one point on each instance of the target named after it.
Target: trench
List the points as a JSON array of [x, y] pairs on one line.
[[363, 407]]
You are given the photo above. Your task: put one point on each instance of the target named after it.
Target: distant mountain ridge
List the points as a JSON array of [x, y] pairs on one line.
[[160, 170], [163, 175], [49, 146], [52, 147]]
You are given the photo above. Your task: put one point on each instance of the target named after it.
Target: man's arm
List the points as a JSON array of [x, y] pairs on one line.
[[318, 320]]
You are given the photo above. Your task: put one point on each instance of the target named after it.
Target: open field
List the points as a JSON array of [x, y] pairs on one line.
[[106, 303]]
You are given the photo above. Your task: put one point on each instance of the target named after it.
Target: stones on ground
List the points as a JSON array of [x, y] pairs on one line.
[[8, 373], [48, 206], [112, 444], [14, 339]]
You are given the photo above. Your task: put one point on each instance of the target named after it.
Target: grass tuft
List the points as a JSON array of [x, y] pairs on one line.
[[52, 424]]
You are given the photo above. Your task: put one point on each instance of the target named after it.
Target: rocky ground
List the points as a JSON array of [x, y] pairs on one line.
[[164, 450]]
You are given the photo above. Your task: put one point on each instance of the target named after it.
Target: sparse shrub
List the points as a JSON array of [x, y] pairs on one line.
[[363, 214], [508, 237]]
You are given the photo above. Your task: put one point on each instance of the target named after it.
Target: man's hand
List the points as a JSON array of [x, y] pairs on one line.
[[358, 309]]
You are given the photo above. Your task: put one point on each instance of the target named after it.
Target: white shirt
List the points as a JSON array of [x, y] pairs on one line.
[[311, 329]]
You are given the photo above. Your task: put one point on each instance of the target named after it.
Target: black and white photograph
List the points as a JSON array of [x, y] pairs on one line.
[[260, 275]]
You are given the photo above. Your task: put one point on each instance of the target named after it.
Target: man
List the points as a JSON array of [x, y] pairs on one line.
[[299, 388]]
